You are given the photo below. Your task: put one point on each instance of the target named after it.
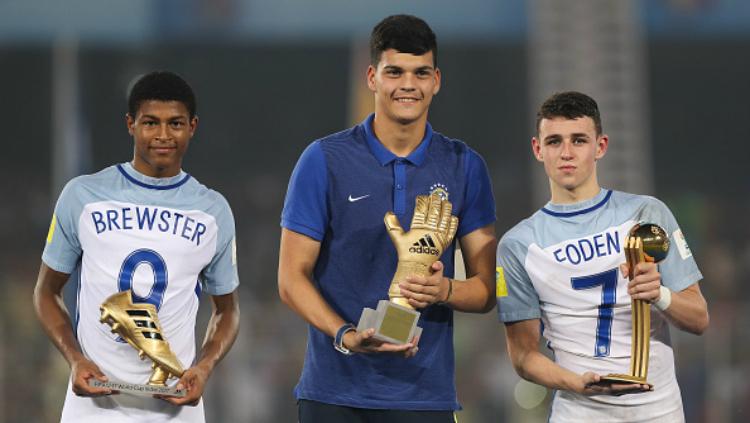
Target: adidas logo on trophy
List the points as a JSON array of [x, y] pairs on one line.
[[425, 246], [138, 324]]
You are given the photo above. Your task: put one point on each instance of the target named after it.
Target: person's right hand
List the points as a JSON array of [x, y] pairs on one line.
[[81, 371], [364, 342], [592, 384]]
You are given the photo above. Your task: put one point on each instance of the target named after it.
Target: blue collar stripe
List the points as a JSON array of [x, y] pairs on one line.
[[584, 211], [149, 186]]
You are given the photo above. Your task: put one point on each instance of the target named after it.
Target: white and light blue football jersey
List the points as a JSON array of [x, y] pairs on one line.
[[561, 265], [167, 239]]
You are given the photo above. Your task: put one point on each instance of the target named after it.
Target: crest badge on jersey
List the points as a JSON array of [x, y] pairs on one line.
[[439, 189]]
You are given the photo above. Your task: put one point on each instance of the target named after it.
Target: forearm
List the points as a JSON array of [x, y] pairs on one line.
[[538, 368], [55, 321], [299, 293], [473, 295], [688, 311], [220, 335], [477, 293]]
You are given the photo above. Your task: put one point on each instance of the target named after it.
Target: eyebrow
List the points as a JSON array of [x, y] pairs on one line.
[[573, 135], [421, 68], [152, 117]]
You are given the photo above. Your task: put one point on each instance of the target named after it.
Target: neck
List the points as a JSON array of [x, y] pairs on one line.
[[400, 139], [154, 171], [562, 195]]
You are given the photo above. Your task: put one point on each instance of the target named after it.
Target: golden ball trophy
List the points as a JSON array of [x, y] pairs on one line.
[[646, 242], [431, 232], [138, 324]]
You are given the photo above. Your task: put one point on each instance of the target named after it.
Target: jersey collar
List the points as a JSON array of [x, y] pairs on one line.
[[385, 156], [132, 175], [567, 210]]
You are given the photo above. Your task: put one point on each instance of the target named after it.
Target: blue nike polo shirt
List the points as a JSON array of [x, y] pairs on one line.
[[338, 194]]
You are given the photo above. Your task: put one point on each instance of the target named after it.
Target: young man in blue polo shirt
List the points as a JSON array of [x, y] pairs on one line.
[[336, 257]]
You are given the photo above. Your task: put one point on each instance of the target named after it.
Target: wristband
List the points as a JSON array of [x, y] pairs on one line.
[[665, 298], [450, 291], [338, 341]]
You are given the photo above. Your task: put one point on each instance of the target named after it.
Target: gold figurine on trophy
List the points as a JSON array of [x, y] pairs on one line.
[[432, 230], [646, 242], [138, 324]]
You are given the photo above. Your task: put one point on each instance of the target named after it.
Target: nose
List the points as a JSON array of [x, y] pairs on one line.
[[163, 132], [567, 150], [408, 82]]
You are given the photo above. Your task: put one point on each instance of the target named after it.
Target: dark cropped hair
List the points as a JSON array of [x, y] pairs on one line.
[[162, 86], [570, 105], [405, 34]]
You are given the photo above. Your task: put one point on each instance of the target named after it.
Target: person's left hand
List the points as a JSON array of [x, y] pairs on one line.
[[193, 380], [646, 283], [422, 291]]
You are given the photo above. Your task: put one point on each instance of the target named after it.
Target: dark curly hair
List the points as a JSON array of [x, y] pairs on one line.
[[163, 86]]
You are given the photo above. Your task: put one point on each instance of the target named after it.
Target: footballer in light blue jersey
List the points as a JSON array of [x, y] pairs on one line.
[[563, 267], [150, 227], [336, 256]]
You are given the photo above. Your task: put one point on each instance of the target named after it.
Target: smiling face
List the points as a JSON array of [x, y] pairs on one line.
[[569, 149], [161, 132], [404, 85]]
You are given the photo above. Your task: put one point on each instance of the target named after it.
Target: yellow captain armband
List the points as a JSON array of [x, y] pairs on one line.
[[51, 232], [501, 288]]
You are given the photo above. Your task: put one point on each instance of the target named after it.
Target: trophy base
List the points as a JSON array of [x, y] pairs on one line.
[[622, 378], [392, 323], [138, 389]]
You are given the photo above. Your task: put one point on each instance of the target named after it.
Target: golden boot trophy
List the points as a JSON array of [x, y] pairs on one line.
[[138, 324], [431, 232], [646, 242]]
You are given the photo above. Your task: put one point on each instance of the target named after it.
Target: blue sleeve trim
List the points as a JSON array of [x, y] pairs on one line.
[[517, 316], [302, 229], [685, 282], [58, 266], [473, 226]]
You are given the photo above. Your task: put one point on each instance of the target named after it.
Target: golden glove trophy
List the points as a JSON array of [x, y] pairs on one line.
[[138, 324], [650, 243], [431, 232]]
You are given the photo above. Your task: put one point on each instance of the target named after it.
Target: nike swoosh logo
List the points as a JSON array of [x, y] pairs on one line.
[[353, 199]]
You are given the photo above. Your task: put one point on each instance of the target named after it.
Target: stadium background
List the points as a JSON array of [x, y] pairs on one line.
[[271, 76]]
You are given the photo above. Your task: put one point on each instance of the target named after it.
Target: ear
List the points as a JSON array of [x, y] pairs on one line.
[[130, 123], [438, 78], [536, 148], [193, 125], [602, 144], [371, 77]]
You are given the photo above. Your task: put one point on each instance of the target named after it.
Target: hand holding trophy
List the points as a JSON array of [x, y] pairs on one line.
[[646, 242], [138, 324], [432, 230]]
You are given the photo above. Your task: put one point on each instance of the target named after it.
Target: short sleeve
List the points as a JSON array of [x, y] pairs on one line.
[[62, 250], [220, 276], [479, 205], [305, 206], [516, 297], [679, 269]]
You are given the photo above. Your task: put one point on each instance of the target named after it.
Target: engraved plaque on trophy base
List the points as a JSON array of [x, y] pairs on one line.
[[393, 323], [138, 389]]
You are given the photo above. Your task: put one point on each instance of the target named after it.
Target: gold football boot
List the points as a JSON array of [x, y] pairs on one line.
[[138, 324]]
